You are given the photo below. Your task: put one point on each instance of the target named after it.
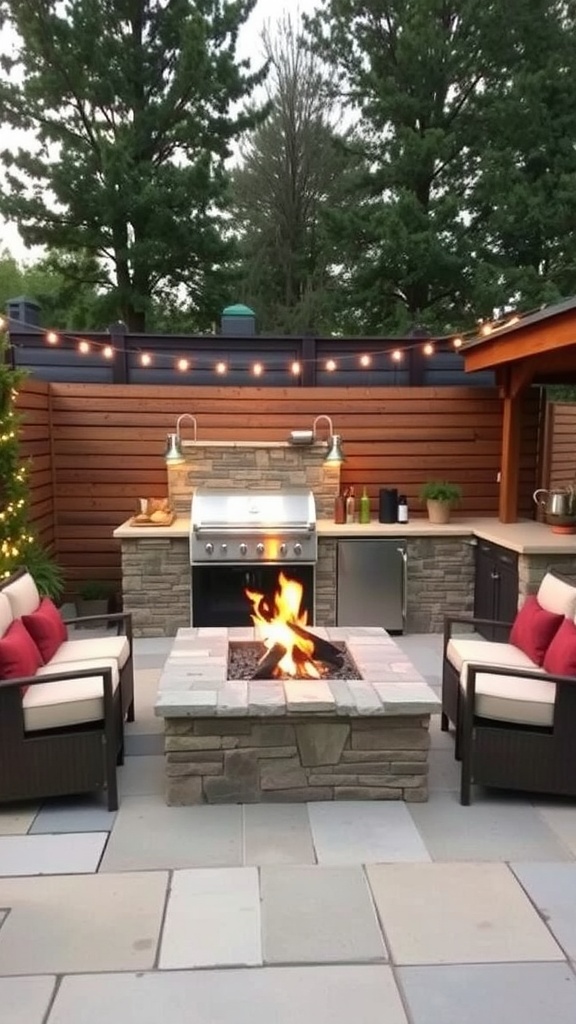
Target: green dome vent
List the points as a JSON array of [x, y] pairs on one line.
[[238, 319]]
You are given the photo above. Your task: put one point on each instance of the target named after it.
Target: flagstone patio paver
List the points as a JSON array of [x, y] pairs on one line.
[[76, 923], [277, 834], [318, 915], [62, 854], [358, 832], [25, 1000], [212, 919], [458, 913], [271, 995]]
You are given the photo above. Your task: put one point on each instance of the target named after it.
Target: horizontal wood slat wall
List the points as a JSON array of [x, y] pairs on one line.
[[108, 446], [559, 467], [33, 405]]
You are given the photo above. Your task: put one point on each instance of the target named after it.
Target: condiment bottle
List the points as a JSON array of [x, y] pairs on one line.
[[339, 509], [350, 506], [402, 509], [364, 509]]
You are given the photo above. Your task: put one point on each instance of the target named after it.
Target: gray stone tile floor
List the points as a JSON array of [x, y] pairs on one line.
[[302, 914]]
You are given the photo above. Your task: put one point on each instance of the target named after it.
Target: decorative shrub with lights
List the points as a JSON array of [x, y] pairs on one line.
[[18, 545]]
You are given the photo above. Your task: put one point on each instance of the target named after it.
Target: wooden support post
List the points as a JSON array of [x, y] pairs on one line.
[[510, 458]]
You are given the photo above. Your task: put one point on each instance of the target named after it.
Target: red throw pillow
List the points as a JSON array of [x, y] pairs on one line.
[[534, 629], [46, 628], [560, 657], [19, 655]]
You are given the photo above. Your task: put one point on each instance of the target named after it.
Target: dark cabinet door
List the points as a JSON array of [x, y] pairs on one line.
[[484, 589], [507, 592], [495, 588]]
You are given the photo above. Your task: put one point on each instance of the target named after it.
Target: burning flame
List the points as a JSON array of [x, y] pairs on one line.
[[277, 623]]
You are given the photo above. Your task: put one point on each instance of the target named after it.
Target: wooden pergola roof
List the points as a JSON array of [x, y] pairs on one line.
[[538, 348]]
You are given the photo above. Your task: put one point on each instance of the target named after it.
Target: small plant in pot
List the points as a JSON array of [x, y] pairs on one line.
[[440, 498], [94, 598]]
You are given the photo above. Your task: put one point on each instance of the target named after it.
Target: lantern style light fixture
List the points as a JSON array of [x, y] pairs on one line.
[[173, 455], [334, 456]]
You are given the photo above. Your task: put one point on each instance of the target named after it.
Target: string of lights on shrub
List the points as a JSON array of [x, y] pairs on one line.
[[184, 364]]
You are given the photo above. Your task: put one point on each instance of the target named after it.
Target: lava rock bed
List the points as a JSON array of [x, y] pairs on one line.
[[243, 659]]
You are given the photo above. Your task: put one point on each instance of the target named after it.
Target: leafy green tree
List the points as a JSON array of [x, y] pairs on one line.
[[439, 88], [291, 172], [134, 105]]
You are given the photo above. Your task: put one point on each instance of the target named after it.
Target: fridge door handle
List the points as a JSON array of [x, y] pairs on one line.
[[404, 556]]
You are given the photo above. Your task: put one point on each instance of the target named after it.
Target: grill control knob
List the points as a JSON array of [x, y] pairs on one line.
[[297, 549], [243, 549], [260, 549], [223, 548], [283, 549], [209, 548]]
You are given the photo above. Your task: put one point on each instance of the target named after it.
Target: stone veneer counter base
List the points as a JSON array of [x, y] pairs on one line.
[[232, 741]]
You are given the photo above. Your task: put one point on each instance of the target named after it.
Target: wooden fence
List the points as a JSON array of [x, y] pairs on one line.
[[559, 454], [107, 446], [36, 450]]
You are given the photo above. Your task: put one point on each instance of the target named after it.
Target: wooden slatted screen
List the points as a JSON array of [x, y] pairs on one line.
[[33, 405], [559, 463], [108, 445]]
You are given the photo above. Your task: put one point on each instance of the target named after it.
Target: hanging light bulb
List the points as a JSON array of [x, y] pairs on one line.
[[182, 365], [108, 352], [52, 338], [428, 349], [331, 365], [257, 369], [295, 368], [221, 368], [365, 360], [83, 347], [397, 355], [145, 359], [457, 343]]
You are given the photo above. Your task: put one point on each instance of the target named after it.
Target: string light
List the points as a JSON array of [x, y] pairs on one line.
[[365, 360]]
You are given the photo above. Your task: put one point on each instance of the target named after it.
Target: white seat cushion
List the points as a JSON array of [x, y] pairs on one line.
[[80, 666], [557, 596], [6, 616], [518, 700], [462, 649], [23, 595], [97, 647], [65, 702]]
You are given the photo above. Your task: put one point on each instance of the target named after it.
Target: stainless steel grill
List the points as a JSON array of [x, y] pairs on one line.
[[241, 527]]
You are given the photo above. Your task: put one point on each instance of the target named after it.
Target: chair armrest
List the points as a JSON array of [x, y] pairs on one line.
[[57, 676], [470, 620], [474, 668], [120, 618]]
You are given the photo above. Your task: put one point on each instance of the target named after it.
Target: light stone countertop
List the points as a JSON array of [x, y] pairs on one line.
[[526, 537]]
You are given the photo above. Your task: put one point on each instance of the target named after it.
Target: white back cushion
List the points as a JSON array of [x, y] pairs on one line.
[[557, 596], [23, 595], [6, 617]]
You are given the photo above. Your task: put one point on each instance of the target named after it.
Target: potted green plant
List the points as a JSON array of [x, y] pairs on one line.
[[94, 597], [440, 496], [45, 571]]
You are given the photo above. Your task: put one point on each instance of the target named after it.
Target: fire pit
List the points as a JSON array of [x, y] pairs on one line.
[[232, 736]]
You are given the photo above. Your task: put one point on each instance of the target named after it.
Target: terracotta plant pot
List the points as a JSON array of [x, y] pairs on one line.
[[438, 511]]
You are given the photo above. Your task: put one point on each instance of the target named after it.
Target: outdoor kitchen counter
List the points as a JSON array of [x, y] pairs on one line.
[[525, 537]]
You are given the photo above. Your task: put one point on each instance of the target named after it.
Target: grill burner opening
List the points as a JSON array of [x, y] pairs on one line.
[[245, 659]]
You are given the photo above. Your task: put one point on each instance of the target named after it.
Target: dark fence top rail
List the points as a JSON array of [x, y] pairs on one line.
[[118, 357]]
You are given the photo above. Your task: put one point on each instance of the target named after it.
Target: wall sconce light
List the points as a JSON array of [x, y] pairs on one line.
[[335, 456], [173, 455]]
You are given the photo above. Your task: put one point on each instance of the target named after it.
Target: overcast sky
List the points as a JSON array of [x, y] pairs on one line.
[[249, 45]]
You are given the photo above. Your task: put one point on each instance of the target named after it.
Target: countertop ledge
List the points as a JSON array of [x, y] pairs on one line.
[[525, 537]]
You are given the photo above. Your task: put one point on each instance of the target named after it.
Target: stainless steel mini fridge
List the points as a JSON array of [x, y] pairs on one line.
[[371, 587]]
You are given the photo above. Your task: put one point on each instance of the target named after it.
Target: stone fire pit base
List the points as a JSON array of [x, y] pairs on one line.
[[282, 759], [234, 741]]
